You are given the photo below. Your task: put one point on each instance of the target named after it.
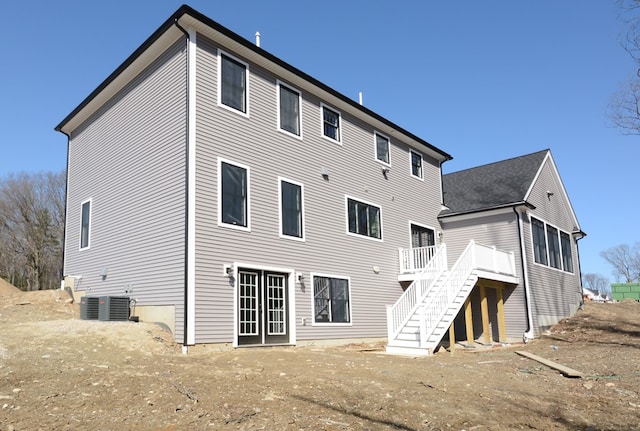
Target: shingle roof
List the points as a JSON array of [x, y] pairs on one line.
[[490, 186]]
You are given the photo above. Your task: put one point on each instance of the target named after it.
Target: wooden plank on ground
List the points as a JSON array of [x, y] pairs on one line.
[[565, 371]]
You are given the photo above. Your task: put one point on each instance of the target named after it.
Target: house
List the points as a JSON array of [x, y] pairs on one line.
[[521, 205], [240, 201]]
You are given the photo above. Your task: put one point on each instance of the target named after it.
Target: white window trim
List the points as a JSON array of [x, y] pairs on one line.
[[546, 238], [247, 75], [375, 148], [219, 189], [411, 152], [346, 214], [282, 84], [313, 305], [340, 129], [425, 226], [304, 225], [80, 247]]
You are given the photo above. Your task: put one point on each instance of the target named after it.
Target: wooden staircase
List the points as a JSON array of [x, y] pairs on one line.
[[420, 318]]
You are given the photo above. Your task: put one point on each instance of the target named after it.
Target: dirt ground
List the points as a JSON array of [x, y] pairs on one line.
[[58, 372]]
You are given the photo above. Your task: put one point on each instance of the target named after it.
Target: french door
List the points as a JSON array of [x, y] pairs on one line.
[[263, 316]]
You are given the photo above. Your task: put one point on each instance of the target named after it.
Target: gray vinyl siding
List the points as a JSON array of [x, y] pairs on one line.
[[129, 159], [328, 249], [555, 293], [501, 231]]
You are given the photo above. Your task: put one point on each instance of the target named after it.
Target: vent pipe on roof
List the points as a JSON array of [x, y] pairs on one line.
[[258, 39], [360, 97]]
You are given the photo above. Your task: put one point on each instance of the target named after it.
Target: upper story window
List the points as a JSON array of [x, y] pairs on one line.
[[416, 164], [567, 255], [331, 123], [364, 219], [551, 246], [85, 224], [233, 83], [554, 247], [382, 148], [289, 110], [233, 195], [539, 241], [291, 209]]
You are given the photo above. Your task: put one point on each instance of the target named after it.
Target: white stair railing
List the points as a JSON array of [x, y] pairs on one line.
[[474, 257], [399, 313]]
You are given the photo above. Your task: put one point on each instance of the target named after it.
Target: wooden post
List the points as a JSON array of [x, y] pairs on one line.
[[452, 337], [502, 328], [468, 320], [484, 307]]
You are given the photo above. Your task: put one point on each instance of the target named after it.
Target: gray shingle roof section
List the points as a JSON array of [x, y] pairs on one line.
[[490, 186]]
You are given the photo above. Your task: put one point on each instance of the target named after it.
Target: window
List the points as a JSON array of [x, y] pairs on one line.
[[291, 209], [331, 300], [233, 83], [554, 247], [382, 148], [422, 236], [289, 110], [364, 219], [416, 164], [567, 256], [85, 224], [233, 192], [330, 124], [539, 241]]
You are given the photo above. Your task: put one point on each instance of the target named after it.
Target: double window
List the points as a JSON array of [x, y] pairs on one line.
[[289, 110], [331, 299], [85, 224], [233, 193], [382, 148], [233, 83], [291, 209], [364, 219], [330, 123], [551, 247], [416, 164]]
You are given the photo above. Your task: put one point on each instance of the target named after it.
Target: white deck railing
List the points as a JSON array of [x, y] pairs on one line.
[[416, 259], [401, 311]]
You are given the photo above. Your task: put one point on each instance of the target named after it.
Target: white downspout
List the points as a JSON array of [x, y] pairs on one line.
[[528, 335]]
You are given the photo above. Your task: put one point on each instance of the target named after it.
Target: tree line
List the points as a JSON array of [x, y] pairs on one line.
[[32, 211]]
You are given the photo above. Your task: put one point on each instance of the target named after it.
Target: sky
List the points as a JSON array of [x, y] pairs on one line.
[[483, 81]]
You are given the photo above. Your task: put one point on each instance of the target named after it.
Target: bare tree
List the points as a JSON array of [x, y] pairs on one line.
[[624, 106], [31, 229], [596, 283], [625, 261]]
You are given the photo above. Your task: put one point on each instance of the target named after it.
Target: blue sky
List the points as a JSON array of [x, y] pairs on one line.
[[484, 81]]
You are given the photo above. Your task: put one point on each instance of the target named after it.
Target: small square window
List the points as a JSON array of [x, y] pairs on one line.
[[331, 124], [331, 300], [382, 148]]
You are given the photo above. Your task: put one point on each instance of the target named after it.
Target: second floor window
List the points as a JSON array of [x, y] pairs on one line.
[[85, 224], [539, 241], [234, 195], [364, 219], [289, 112], [233, 83], [291, 209]]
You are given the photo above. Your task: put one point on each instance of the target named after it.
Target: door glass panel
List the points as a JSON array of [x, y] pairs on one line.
[[276, 317], [422, 236], [248, 285]]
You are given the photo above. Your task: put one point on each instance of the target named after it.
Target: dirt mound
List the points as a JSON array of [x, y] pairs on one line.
[[6, 287]]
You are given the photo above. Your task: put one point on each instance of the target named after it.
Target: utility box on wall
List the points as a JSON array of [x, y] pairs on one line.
[[620, 291], [113, 308]]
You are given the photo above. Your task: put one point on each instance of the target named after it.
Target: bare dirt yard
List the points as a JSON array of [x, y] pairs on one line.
[[58, 372]]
